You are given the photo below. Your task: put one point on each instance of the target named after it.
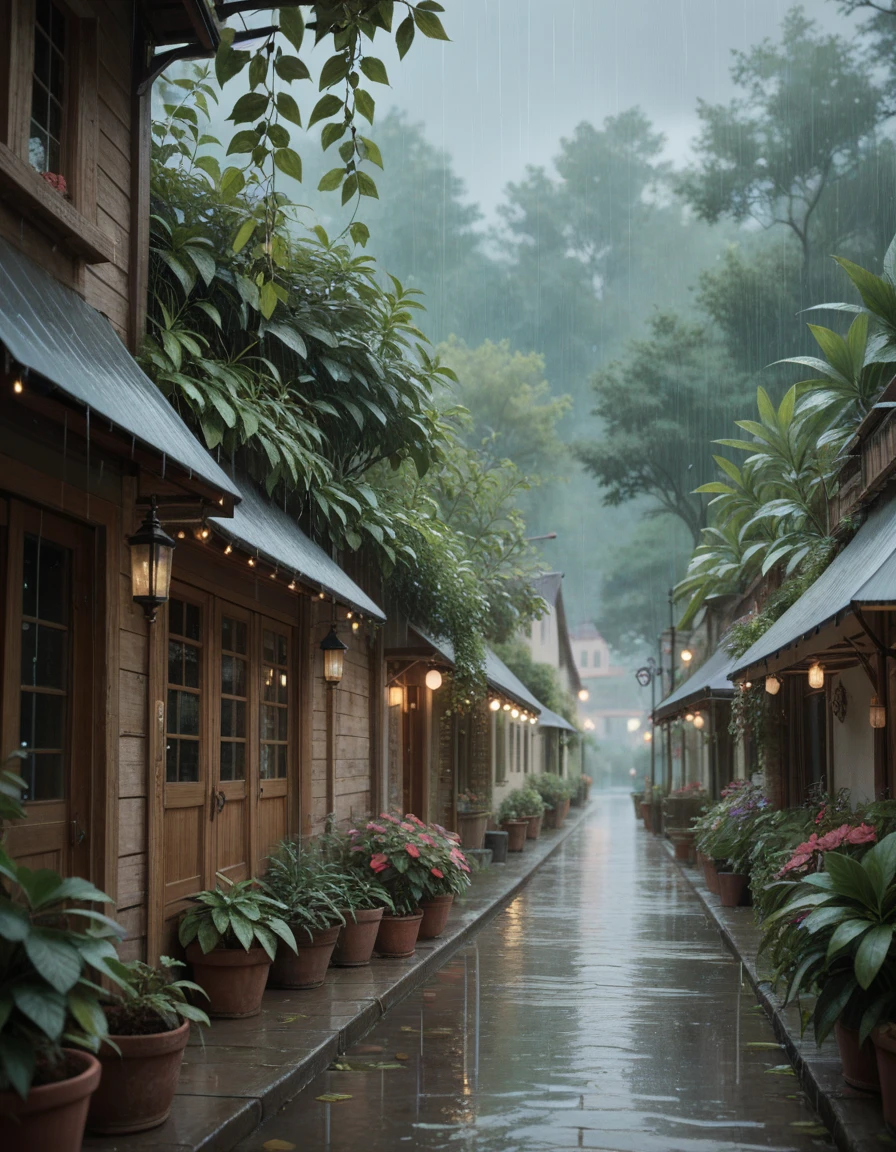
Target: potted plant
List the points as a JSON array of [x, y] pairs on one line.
[[528, 806], [312, 889], [52, 954], [833, 938], [231, 941], [637, 801], [364, 898], [555, 793], [148, 1031], [448, 875], [472, 819], [512, 822]]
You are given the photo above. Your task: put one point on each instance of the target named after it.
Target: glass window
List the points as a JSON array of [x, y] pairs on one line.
[[45, 674], [45, 151], [183, 720], [583, 658], [274, 692], [234, 678]]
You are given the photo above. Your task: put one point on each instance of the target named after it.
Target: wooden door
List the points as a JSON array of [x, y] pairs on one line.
[[233, 771], [48, 677], [276, 688]]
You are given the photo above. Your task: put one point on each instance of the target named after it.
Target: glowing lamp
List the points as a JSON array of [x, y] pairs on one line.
[[334, 652], [686, 655], [699, 721], [772, 685], [506, 707], [690, 718], [151, 552], [533, 719], [495, 705], [433, 679], [877, 714], [584, 694], [514, 712], [816, 676], [648, 736], [396, 696]]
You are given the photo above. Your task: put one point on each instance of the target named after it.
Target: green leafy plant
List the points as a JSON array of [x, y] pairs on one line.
[[150, 995], [239, 915], [519, 804], [835, 936], [49, 971], [312, 889], [553, 789]]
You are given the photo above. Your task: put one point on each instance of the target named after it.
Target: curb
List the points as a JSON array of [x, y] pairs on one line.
[[853, 1118], [207, 1119]]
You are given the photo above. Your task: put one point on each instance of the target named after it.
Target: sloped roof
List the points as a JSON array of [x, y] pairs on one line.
[[260, 526], [52, 332], [549, 719], [497, 674], [864, 573], [710, 681], [547, 586]]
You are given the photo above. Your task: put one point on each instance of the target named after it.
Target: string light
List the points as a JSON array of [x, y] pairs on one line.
[[514, 712], [816, 676], [506, 707], [204, 532], [18, 387], [495, 705], [355, 625], [772, 685], [251, 561], [274, 574], [321, 595], [292, 584], [228, 549], [181, 535]]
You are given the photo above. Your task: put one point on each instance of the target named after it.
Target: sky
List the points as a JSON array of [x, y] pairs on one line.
[[519, 74]]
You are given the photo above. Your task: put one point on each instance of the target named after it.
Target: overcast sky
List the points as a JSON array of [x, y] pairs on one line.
[[519, 74]]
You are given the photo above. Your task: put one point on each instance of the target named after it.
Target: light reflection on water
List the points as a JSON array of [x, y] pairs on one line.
[[600, 1010]]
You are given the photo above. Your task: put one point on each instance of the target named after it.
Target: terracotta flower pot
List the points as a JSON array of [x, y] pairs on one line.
[[682, 847], [637, 801], [563, 812], [435, 915], [534, 829], [516, 831], [549, 819], [354, 946], [233, 978], [710, 875], [859, 1063], [497, 842], [138, 1085], [306, 967], [397, 935], [53, 1116], [885, 1048], [732, 888], [472, 826], [647, 815]]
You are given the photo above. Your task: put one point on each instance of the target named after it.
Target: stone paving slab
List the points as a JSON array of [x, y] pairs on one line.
[[239, 1072], [854, 1118]]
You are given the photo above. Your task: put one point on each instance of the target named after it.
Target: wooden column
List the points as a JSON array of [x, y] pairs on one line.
[[331, 749]]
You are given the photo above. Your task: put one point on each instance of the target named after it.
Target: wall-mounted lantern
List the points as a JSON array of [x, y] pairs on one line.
[[151, 552], [334, 651], [877, 714], [772, 685], [433, 679], [396, 696]]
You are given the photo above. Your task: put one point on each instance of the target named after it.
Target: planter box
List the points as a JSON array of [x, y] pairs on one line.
[[680, 811], [471, 826]]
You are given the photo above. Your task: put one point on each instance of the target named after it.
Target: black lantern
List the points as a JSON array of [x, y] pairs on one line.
[[151, 551], [334, 651]]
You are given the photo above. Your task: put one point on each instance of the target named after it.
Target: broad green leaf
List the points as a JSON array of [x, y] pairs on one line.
[[365, 104], [851, 879], [371, 151], [291, 68], [244, 234], [14, 922], [429, 24], [326, 107], [290, 337], [359, 233], [58, 962], [331, 180], [374, 70], [289, 162], [17, 1058], [43, 1006], [288, 108], [335, 69], [872, 952], [366, 186], [88, 1014], [349, 188], [250, 107], [258, 69], [292, 25], [845, 933], [330, 133], [232, 183], [404, 37], [267, 300]]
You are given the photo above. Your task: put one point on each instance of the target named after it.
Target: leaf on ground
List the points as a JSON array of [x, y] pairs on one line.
[[810, 1127], [402, 1056], [332, 1097], [362, 1066], [766, 1044], [780, 1070], [291, 1019], [278, 1146]]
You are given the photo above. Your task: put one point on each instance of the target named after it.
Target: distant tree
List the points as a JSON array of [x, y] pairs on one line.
[[803, 127], [513, 412], [659, 406]]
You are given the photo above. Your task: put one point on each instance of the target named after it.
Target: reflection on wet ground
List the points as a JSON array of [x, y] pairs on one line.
[[600, 1010]]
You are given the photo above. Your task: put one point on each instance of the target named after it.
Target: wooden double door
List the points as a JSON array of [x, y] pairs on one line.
[[49, 673], [229, 743]]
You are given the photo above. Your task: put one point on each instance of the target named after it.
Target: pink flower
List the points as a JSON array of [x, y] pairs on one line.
[[427, 840], [437, 872], [864, 834], [353, 832], [357, 848], [379, 861], [371, 827], [391, 819], [408, 827], [414, 819], [412, 850], [820, 816]]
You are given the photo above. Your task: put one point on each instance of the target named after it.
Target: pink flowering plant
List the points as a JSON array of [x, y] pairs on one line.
[[412, 860], [834, 937], [726, 831]]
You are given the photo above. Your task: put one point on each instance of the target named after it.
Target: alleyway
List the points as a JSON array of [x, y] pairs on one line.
[[600, 1010]]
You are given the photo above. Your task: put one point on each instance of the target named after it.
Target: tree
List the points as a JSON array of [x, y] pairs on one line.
[[659, 406], [802, 129], [513, 413]]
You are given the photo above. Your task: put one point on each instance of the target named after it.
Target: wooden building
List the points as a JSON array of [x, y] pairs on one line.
[[155, 754]]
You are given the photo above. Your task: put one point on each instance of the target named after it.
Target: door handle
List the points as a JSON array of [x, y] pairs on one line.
[[218, 800], [77, 834]]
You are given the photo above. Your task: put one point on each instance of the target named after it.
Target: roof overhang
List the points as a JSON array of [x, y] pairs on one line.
[[708, 682]]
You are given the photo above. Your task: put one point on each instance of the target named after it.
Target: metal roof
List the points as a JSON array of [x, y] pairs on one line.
[[261, 527], [864, 573], [549, 719], [547, 585], [51, 331], [709, 681], [497, 674]]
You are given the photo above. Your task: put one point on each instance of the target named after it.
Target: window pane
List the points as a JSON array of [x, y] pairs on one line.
[[171, 761], [191, 666], [225, 771], [189, 760], [269, 646], [233, 676], [176, 617], [41, 721], [270, 691], [44, 13], [281, 650], [37, 149], [57, 75], [239, 636], [281, 761], [282, 685], [43, 776], [188, 714], [55, 124], [192, 622], [239, 761], [175, 662], [282, 723], [41, 63], [44, 580], [43, 656], [268, 761]]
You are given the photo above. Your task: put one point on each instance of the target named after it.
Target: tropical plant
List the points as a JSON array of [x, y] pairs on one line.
[[835, 936], [553, 789], [151, 995], [410, 859], [520, 804], [49, 971], [726, 831], [238, 915], [315, 890]]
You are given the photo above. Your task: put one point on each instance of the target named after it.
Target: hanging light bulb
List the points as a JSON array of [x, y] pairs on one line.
[[18, 387], [584, 694], [699, 721], [514, 712], [292, 585], [506, 707], [772, 685], [228, 549], [433, 679], [816, 676], [690, 718], [495, 705], [686, 655], [648, 736], [251, 561], [533, 719], [877, 714]]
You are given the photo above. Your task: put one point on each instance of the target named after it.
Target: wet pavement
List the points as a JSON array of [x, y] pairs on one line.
[[599, 1010]]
